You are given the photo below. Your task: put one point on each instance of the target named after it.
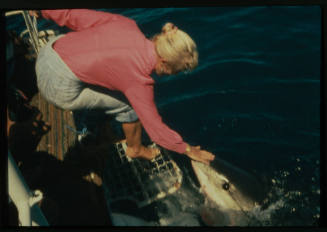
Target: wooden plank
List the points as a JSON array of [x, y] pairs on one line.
[[50, 134], [41, 106], [61, 135], [70, 135], [65, 136], [57, 141]]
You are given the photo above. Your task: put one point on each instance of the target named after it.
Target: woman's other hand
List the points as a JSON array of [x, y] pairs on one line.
[[195, 153], [35, 13]]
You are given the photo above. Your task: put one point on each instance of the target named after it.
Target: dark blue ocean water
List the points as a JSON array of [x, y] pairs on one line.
[[253, 100]]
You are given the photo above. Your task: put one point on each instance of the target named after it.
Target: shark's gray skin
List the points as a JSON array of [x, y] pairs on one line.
[[230, 193], [120, 219]]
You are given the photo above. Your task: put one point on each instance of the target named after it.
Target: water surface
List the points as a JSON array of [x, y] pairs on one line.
[[253, 100]]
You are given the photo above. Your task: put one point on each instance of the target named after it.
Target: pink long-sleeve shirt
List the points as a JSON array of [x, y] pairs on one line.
[[109, 50]]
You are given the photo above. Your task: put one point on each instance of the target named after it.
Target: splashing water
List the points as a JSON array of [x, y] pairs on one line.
[[284, 204]]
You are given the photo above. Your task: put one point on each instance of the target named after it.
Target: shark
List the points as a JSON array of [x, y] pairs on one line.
[[230, 193]]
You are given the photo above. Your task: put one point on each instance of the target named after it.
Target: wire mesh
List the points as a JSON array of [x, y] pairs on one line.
[[140, 180]]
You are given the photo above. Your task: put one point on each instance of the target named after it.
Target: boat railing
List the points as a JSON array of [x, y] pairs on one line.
[[37, 39], [25, 200]]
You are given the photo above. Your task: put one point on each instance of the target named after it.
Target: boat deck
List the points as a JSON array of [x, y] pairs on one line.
[[61, 135]]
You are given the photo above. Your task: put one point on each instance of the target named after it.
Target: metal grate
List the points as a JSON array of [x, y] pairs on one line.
[[140, 180]]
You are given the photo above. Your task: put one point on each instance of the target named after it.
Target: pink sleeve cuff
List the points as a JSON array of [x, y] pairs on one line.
[[181, 148]]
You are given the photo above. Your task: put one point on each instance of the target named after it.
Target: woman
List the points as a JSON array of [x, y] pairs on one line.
[[105, 63]]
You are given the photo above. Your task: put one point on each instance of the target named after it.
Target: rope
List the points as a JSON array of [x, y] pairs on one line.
[[82, 132]]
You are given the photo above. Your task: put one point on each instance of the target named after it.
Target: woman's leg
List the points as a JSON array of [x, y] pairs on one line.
[[115, 104], [133, 134]]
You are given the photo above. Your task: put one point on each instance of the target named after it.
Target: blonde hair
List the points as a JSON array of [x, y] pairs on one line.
[[177, 48]]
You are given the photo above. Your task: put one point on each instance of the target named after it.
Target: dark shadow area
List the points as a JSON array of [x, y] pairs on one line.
[[13, 213], [71, 196], [72, 188], [21, 67]]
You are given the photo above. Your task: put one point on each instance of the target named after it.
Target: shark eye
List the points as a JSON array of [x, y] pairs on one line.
[[226, 186]]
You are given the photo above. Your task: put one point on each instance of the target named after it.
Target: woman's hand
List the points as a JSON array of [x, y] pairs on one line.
[[195, 153], [35, 13]]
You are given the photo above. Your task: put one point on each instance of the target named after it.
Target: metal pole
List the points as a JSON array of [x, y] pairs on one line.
[[32, 31], [10, 13], [23, 198]]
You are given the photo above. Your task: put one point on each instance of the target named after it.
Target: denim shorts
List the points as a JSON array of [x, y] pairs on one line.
[[61, 87]]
